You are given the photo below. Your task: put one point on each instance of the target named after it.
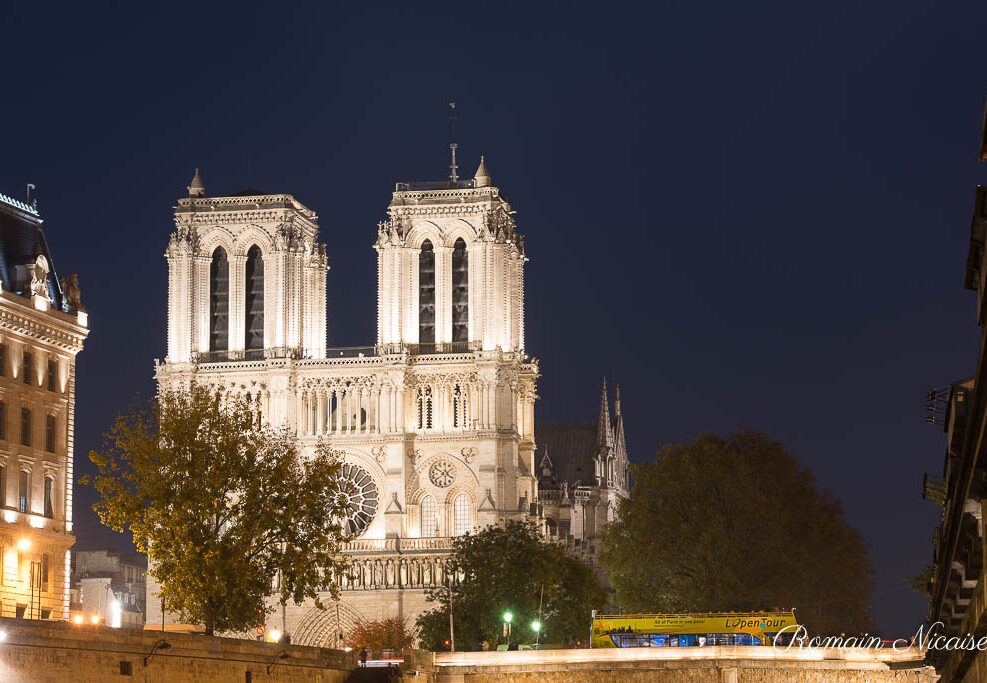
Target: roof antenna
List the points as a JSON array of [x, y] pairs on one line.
[[452, 142]]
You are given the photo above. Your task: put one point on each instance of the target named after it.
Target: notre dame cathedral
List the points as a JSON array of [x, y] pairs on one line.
[[437, 418]]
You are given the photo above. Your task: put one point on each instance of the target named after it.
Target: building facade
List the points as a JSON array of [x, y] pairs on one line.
[[436, 419], [42, 327], [958, 583], [109, 587]]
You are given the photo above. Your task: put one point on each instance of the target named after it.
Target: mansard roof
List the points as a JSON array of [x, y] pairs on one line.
[[22, 240]]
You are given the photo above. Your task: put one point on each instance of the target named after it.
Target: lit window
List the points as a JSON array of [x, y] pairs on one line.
[[24, 491], [462, 515], [430, 523]]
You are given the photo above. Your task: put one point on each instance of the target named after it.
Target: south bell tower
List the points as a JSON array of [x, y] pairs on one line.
[[450, 268]]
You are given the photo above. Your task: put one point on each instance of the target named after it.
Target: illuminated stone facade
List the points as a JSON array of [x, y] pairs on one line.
[[42, 327], [436, 419]]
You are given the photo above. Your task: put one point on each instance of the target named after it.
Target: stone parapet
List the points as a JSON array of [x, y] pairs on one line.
[[721, 664], [33, 651]]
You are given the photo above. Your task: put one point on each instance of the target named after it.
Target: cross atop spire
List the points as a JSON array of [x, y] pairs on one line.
[[453, 177]]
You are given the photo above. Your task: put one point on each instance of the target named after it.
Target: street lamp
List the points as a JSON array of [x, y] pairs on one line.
[[162, 644], [507, 626], [536, 627]]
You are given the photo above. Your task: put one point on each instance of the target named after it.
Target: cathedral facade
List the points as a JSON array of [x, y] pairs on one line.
[[436, 419]]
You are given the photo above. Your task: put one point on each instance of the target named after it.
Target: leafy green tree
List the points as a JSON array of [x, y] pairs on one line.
[[504, 569], [224, 508], [736, 524]]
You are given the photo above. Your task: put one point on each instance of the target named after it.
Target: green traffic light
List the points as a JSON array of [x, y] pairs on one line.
[[507, 617]]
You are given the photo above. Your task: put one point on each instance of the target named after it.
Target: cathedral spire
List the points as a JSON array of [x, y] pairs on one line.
[[616, 403], [452, 142], [197, 189], [603, 426], [482, 176]]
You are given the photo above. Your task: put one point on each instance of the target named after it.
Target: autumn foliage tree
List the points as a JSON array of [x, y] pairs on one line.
[[736, 524], [222, 506], [393, 633], [511, 568]]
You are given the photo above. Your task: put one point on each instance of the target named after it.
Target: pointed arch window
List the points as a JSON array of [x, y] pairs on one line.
[[254, 302], [460, 292], [426, 294], [219, 301], [430, 523], [462, 513]]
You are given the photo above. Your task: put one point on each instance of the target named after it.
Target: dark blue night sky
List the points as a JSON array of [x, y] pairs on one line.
[[750, 215]]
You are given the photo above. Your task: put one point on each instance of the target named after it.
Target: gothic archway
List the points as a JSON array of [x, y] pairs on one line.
[[318, 627]]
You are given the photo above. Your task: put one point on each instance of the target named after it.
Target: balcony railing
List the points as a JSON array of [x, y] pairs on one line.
[[337, 352]]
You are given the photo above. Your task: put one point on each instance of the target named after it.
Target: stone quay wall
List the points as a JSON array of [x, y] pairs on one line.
[[57, 651], [722, 664]]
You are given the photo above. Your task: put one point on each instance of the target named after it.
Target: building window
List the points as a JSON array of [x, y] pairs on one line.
[[255, 299], [460, 292], [3, 360], [3, 486], [52, 374], [461, 514], [24, 491], [50, 497], [219, 301], [45, 570], [3, 420], [25, 427], [26, 371], [424, 407], [426, 294], [430, 524], [50, 433]]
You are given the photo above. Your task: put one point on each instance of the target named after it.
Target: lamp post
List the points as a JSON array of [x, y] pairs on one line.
[[536, 627], [507, 627], [162, 644]]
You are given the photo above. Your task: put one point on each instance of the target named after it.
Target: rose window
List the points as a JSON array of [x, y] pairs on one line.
[[442, 473], [359, 493]]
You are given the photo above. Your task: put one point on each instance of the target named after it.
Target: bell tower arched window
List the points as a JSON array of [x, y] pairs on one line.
[[254, 301], [460, 292], [426, 294], [219, 301]]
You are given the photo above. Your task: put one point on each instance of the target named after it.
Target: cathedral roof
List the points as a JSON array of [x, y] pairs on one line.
[[572, 445], [21, 242]]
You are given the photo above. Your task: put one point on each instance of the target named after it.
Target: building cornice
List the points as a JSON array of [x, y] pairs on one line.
[[56, 328]]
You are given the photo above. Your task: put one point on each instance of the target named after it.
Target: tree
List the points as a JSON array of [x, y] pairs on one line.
[[736, 524], [392, 633], [504, 569], [222, 506], [921, 582]]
